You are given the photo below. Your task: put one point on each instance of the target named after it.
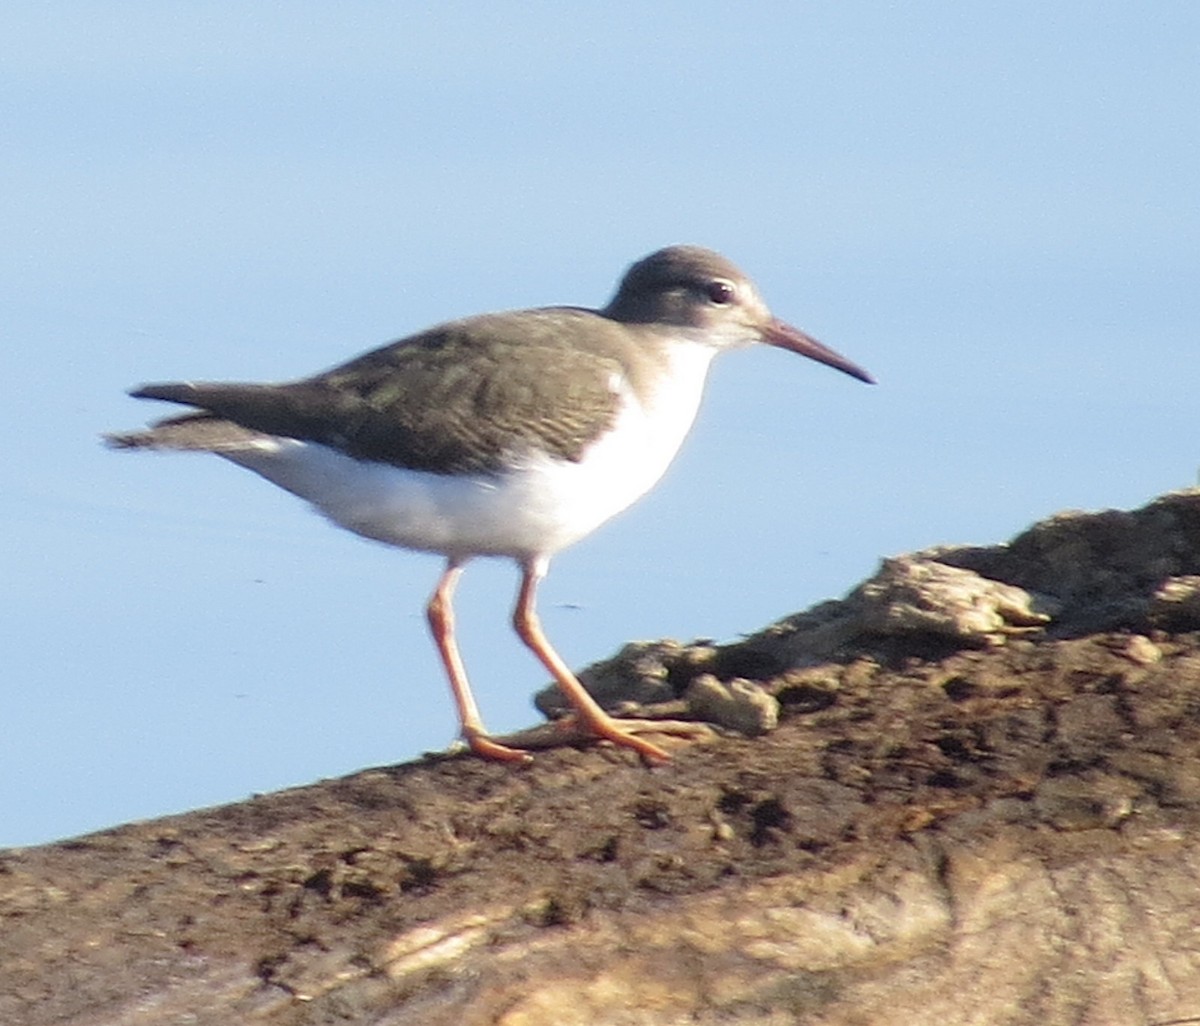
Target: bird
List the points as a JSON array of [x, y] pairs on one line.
[[511, 434]]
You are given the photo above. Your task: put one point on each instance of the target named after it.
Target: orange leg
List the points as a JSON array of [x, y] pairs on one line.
[[587, 713], [440, 613]]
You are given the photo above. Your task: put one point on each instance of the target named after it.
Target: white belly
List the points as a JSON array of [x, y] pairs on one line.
[[536, 508]]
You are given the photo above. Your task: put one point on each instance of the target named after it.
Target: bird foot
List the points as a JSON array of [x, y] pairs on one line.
[[621, 732], [487, 747]]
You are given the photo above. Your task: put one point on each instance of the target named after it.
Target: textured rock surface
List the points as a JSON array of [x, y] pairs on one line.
[[968, 813]]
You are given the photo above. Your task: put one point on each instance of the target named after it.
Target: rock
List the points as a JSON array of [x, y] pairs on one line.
[[637, 676], [916, 595], [938, 826], [741, 705], [1175, 604], [1104, 568]]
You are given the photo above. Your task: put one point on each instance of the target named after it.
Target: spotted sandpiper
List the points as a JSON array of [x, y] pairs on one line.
[[507, 434]]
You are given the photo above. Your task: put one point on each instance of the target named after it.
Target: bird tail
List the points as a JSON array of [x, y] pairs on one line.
[[201, 430], [196, 432]]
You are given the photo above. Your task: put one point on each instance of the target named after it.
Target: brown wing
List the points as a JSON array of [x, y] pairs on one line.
[[469, 396]]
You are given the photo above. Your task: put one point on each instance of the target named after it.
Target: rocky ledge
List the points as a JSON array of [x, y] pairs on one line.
[[967, 792]]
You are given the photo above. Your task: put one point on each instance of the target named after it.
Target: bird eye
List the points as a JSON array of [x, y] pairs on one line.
[[719, 292]]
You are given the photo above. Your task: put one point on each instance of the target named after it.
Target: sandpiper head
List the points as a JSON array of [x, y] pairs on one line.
[[694, 288]]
